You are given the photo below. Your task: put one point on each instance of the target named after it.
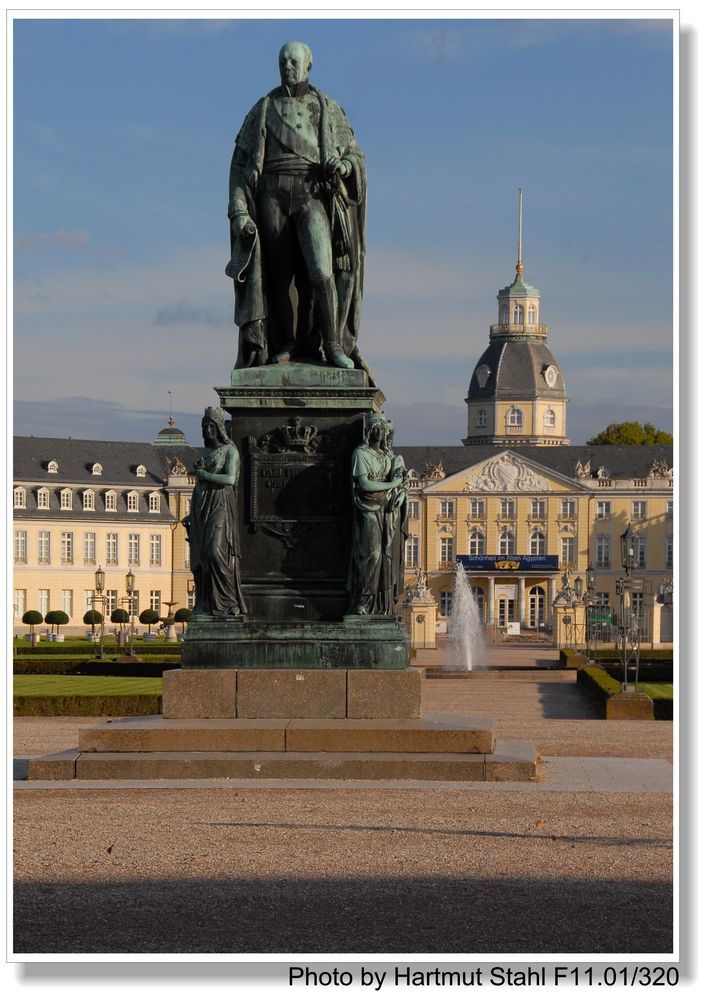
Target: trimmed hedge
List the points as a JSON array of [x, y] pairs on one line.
[[95, 668], [87, 704], [88, 648], [604, 685], [655, 672]]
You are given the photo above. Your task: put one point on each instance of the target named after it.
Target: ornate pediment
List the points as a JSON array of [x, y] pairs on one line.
[[507, 473]]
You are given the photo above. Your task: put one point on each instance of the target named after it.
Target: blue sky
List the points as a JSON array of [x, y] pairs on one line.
[[123, 131]]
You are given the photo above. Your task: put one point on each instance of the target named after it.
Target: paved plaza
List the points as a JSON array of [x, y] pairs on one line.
[[577, 862]]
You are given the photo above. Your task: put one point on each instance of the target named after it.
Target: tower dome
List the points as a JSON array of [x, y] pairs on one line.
[[170, 434], [517, 394]]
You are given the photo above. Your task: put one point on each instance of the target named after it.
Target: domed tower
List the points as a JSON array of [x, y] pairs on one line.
[[517, 394], [170, 434]]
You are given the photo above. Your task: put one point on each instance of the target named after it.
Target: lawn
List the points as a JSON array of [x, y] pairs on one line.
[[657, 690], [53, 685]]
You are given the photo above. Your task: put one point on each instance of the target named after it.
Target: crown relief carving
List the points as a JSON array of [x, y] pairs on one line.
[[507, 473]]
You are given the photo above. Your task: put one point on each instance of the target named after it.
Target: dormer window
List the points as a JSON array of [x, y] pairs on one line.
[[549, 418], [89, 500], [154, 503], [133, 501], [66, 500], [518, 314], [111, 500], [96, 469], [20, 497], [53, 467], [141, 471], [514, 417], [43, 499]]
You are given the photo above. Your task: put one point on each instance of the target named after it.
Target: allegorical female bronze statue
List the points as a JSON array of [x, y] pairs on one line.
[[211, 525], [375, 576]]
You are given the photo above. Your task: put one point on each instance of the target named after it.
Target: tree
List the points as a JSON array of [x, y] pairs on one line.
[[631, 432], [149, 617], [55, 619], [120, 617], [182, 615], [93, 618], [32, 618]]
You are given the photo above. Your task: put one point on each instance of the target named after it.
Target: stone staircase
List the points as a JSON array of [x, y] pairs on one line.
[[436, 747]]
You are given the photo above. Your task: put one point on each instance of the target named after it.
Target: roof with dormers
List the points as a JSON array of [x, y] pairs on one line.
[[119, 461], [620, 461], [516, 368]]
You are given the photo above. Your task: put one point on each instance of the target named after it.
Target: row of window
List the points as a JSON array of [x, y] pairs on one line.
[[537, 547], [538, 508], [66, 499], [537, 603], [515, 418], [111, 556], [568, 508], [518, 314], [44, 602]]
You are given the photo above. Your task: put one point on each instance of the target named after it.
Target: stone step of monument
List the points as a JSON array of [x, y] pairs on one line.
[[512, 761], [434, 733]]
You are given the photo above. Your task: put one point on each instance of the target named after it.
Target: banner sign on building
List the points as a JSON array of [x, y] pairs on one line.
[[493, 563]]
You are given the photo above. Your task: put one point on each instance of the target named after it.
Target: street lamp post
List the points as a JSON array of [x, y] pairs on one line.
[[130, 588], [99, 598], [628, 630], [589, 599]]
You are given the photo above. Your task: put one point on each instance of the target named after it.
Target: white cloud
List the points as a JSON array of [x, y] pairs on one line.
[[61, 238]]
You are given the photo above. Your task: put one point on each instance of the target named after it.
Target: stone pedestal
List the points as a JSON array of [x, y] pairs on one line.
[[630, 705], [296, 427]]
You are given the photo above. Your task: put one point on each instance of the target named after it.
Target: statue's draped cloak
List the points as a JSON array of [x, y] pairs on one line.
[[347, 208], [213, 540]]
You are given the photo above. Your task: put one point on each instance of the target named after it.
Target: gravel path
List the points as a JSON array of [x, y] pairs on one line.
[[479, 871]]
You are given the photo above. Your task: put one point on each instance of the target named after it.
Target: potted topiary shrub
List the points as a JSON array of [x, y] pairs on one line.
[[32, 618], [56, 619], [93, 618], [183, 615], [149, 617]]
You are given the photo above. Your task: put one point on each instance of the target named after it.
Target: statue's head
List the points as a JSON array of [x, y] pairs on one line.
[[295, 61], [375, 426], [213, 425]]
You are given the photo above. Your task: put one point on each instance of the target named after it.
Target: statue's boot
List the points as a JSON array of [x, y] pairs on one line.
[[326, 300]]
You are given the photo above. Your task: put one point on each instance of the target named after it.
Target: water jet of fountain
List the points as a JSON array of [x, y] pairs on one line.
[[466, 635]]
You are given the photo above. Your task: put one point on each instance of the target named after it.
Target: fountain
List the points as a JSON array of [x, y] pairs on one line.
[[466, 649]]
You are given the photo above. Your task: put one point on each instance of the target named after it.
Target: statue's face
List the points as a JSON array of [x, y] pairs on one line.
[[208, 429], [294, 64]]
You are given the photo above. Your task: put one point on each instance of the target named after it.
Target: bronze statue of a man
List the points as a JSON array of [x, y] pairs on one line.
[[296, 206]]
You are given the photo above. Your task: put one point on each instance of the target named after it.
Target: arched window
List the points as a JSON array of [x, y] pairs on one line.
[[89, 500], [505, 315], [514, 417], [111, 500], [97, 469], [154, 503], [141, 471], [532, 315], [536, 607], [481, 418], [549, 418], [53, 467], [538, 543], [506, 543], [476, 543], [133, 501], [43, 499], [66, 500], [20, 497], [518, 314]]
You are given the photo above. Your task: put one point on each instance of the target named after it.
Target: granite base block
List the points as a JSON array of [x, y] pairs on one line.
[[292, 694], [199, 694], [384, 694]]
